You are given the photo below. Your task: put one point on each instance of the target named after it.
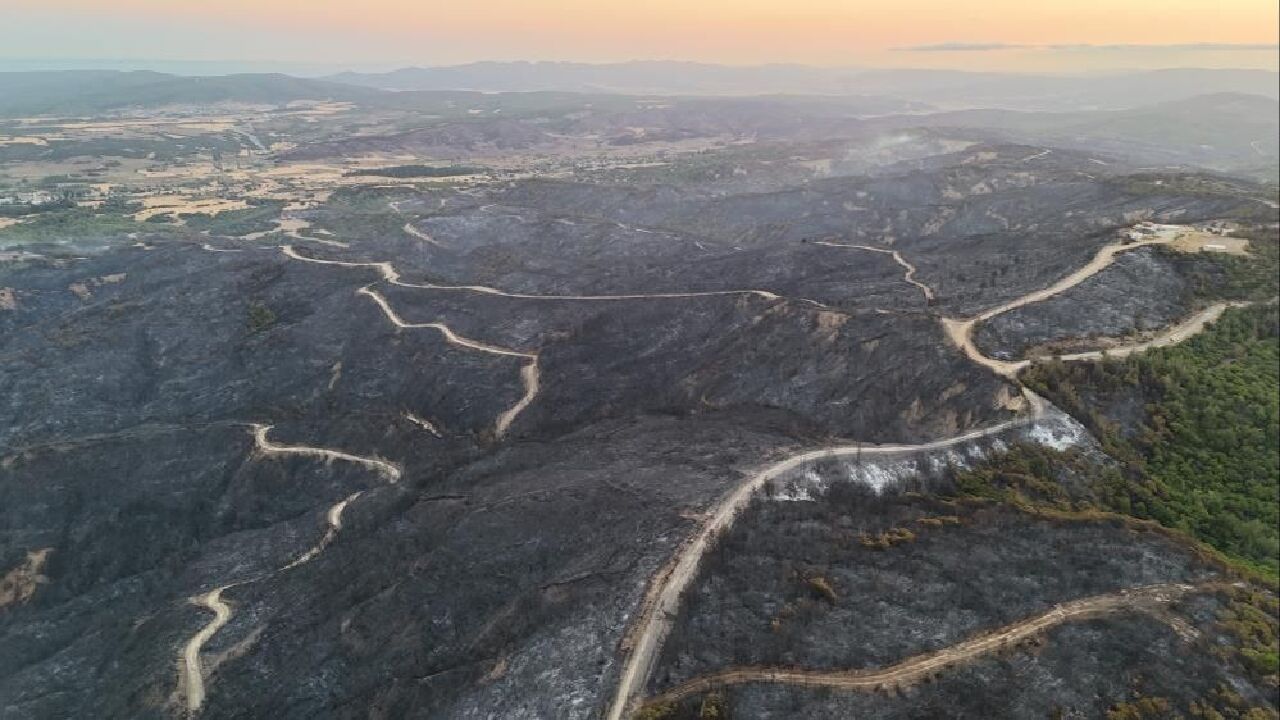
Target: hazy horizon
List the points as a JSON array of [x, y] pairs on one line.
[[1003, 35], [214, 67]]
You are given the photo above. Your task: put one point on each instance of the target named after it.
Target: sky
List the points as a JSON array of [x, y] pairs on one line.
[[1013, 35]]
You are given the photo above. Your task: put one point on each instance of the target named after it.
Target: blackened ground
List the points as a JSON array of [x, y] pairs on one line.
[[864, 580], [1078, 670], [1143, 291]]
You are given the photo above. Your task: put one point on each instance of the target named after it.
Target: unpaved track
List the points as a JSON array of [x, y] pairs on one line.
[[192, 673], [265, 446], [960, 331], [192, 670], [529, 377], [1172, 335], [529, 374], [1098, 263], [910, 275], [662, 603], [449, 335], [1149, 598], [334, 518], [293, 226], [392, 276]]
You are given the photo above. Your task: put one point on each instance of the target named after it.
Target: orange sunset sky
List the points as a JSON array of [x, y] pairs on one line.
[[1043, 35]]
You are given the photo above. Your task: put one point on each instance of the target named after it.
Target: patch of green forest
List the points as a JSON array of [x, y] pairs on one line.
[[1195, 428], [1230, 277], [416, 171], [355, 214], [71, 224], [260, 216]]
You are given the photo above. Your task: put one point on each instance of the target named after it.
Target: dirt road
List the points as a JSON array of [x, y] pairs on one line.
[[265, 446], [193, 675], [1169, 336], [450, 336], [960, 331], [529, 377], [391, 275], [192, 669], [915, 669], [334, 518], [910, 275], [529, 374], [662, 602], [1107, 255]]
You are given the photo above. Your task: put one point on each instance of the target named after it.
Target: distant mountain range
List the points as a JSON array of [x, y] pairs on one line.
[[88, 91], [944, 88], [76, 92]]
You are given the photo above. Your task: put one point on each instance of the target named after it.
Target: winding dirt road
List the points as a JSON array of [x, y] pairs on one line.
[[1172, 335], [960, 331], [529, 377], [450, 336], [193, 676], [1151, 598], [334, 518], [392, 276], [530, 373], [662, 602], [192, 671], [266, 447], [910, 275]]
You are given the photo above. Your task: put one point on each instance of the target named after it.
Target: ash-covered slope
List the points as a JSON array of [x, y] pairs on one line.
[[135, 460], [431, 473]]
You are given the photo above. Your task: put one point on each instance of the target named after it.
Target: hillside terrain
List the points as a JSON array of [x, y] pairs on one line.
[[326, 401]]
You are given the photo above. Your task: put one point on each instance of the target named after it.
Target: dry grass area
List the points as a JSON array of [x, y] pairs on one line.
[[144, 126], [201, 183], [113, 170], [1201, 241], [177, 205], [319, 108]]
